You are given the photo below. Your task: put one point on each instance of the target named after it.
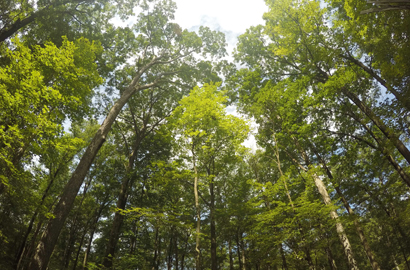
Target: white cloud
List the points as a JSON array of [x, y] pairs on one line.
[[231, 15], [228, 16]]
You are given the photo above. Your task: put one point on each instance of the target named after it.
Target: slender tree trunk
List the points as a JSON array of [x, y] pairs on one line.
[[170, 251], [176, 252], [326, 199], [230, 255], [185, 250], [118, 217], [363, 239], [282, 254], [198, 214], [214, 265], [330, 259], [49, 238], [242, 245], [154, 261], [305, 249], [33, 218], [93, 228], [238, 250], [79, 249], [339, 227]]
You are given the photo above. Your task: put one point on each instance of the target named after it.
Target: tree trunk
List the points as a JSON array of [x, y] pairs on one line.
[[214, 265], [118, 217], [339, 227], [230, 255], [90, 241], [176, 252], [282, 254], [79, 248], [185, 249], [326, 199], [154, 261], [242, 252], [49, 238], [363, 239], [198, 214]]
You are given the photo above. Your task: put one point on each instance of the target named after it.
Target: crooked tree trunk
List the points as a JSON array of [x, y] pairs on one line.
[[49, 238]]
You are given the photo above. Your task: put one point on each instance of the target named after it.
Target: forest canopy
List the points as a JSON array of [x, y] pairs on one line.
[[117, 150]]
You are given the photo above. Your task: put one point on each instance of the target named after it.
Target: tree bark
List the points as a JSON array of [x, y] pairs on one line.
[[282, 254], [198, 214], [363, 239], [64, 206], [326, 199], [90, 241], [339, 227], [213, 228], [230, 255], [118, 217]]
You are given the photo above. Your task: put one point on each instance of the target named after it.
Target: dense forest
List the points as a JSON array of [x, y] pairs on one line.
[[117, 151]]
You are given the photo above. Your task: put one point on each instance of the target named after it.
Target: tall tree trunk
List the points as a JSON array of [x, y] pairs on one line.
[[20, 252], [282, 254], [185, 250], [326, 199], [170, 251], [80, 245], [339, 227], [198, 214], [176, 252], [90, 240], [154, 261], [363, 239], [214, 265], [49, 238], [230, 255], [118, 217], [306, 250], [243, 257], [238, 250]]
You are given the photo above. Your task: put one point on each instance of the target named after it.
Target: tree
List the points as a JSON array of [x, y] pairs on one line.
[[157, 65], [212, 140]]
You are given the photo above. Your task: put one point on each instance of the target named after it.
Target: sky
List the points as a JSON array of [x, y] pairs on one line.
[[228, 16], [232, 17]]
